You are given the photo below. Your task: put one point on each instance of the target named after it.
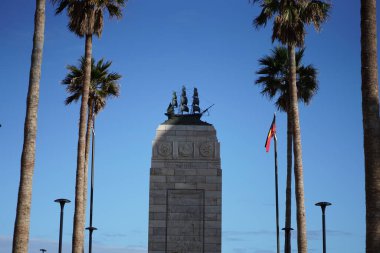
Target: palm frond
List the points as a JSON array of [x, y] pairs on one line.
[[282, 102], [307, 84], [72, 98], [288, 28], [62, 4], [98, 22], [114, 10], [315, 12], [268, 9], [86, 16], [274, 78], [103, 84], [112, 78]]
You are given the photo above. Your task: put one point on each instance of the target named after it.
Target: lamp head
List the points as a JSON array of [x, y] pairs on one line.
[[323, 204]]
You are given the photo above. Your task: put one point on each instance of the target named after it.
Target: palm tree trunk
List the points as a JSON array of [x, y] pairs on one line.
[[371, 123], [79, 214], [288, 204], [88, 141], [297, 149], [22, 222]]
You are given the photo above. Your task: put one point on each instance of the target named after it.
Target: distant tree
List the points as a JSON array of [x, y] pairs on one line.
[[274, 80], [22, 222], [85, 19], [290, 18], [371, 123]]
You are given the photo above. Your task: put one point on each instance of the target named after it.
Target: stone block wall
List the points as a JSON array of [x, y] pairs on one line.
[[185, 195]]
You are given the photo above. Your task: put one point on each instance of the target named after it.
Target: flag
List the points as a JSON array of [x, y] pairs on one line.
[[271, 133]]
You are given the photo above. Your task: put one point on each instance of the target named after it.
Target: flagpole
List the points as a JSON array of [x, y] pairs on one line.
[[272, 133], [276, 183]]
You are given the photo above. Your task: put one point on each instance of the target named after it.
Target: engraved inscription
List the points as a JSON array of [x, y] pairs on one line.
[[185, 221], [190, 165]]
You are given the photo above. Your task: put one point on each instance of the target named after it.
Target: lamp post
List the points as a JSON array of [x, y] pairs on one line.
[[91, 228], [288, 231], [323, 207], [43, 250], [62, 203]]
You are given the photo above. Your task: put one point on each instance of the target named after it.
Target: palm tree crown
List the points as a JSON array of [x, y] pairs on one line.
[[103, 84], [274, 78], [291, 18], [86, 16]]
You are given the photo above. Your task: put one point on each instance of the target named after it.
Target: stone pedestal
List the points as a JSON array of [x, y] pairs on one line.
[[185, 196]]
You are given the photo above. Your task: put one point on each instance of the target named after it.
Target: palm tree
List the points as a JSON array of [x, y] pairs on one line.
[[274, 79], [85, 19], [22, 222], [103, 85], [289, 29], [371, 123]]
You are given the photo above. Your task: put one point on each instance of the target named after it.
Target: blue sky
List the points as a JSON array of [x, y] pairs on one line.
[[157, 47]]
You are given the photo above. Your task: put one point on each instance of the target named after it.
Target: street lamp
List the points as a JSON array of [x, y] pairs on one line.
[[323, 207], [90, 229], [43, 250], [62, 203]]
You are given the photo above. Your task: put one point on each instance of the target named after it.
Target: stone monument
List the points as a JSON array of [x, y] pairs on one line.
[[185, 195]]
